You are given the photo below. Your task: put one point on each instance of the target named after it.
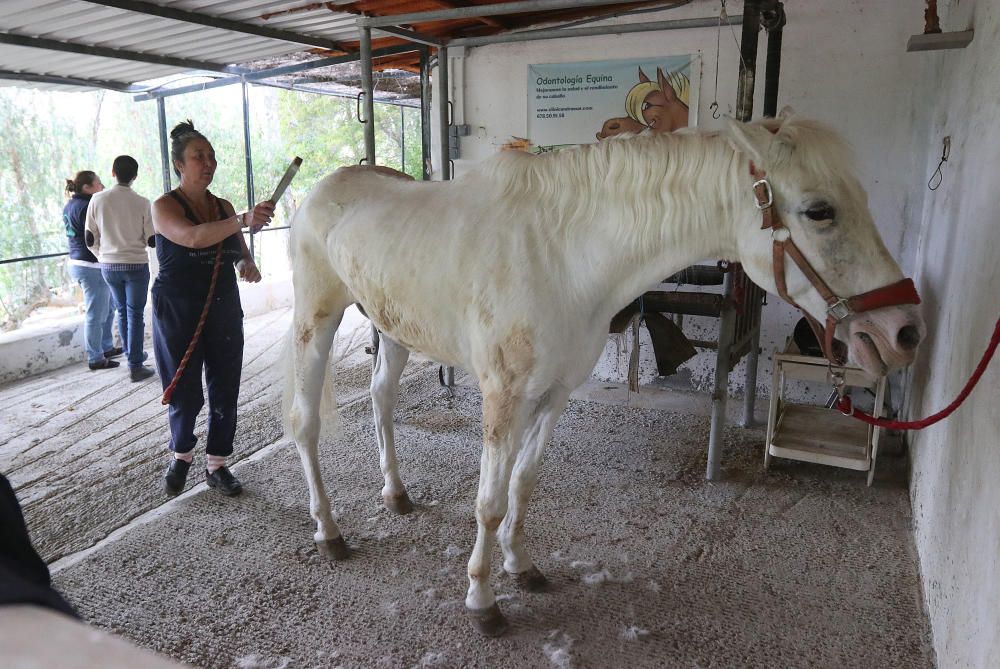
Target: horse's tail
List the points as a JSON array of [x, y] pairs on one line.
[[328, 413]]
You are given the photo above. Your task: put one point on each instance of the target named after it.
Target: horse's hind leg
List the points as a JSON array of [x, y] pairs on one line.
[[522, 483], [389, 364], [313, 330]]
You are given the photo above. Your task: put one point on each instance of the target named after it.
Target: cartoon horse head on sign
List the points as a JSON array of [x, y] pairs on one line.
[[661, 106]]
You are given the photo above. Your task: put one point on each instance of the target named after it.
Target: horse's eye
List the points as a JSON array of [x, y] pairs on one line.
[[820, 212]]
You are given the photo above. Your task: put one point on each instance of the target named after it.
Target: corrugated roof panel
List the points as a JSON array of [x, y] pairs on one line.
[[86, 24]]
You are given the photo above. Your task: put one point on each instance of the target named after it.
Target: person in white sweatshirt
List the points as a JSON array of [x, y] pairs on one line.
[[119, 230]]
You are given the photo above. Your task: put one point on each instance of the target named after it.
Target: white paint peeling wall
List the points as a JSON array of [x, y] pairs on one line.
[[956, 464], [844, 63]]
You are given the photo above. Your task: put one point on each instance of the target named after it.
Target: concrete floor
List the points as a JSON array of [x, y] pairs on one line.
[[651, 565]]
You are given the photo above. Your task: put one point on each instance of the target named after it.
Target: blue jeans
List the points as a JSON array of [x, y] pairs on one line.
[[97, 301], [129, 290]]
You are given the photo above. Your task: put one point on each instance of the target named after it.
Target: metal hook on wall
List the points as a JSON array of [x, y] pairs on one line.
[[360, 120], [937, 177]]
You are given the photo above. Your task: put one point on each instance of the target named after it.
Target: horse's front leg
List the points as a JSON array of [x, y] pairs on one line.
[[503, 420], [517, 561], [313, 334], [389, 364]]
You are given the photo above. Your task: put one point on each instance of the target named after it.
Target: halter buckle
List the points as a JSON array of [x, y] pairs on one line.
[[836, 379], [839, 310], [765, 204]]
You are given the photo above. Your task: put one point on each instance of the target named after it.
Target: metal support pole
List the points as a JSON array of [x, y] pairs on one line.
[[425, 111], [720, 391], [444, 123], [772, 17], [748, 60], [368, 90], [773, 20], [161, 117], [402, 139], [443, 109], [744, 112], [248, 155], [750, 392]]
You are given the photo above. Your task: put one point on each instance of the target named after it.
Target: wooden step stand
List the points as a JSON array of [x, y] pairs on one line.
[[815, 433]]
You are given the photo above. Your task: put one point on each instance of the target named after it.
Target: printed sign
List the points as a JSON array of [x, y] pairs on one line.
[[585, 102]]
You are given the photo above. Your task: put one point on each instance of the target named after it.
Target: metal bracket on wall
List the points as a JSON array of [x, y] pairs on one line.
[[454, 132]]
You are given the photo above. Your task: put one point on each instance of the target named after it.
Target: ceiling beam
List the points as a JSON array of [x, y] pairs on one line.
[[65, 81], [491, 22], [217, 22], [260, 75], [411, 36], [116, 54], [589, 31], [478, 11]]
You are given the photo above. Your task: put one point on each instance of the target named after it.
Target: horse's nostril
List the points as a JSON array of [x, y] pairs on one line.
[[908, 337]]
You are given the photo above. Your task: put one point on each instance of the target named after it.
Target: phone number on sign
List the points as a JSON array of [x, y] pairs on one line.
[[550, 115]]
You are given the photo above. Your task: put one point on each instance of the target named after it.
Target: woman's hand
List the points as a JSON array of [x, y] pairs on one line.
[[260, 216], [248, 269]]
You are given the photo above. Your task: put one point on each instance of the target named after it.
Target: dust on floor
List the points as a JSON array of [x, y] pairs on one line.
[[650, 565]]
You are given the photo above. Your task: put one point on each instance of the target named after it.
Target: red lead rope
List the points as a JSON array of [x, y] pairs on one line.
[[845, 402], [168, 392]]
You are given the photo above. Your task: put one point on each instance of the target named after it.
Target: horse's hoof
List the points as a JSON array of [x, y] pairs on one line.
[[532, 580], [488, 622], [398, 504], [334, 549]]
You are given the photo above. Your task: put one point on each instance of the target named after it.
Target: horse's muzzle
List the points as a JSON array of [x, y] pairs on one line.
[[886, 339]]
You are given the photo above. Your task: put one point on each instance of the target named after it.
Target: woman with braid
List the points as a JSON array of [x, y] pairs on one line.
[[200, 248]]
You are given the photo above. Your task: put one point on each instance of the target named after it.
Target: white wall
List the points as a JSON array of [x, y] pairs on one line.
[[956, 464], [844, 62]]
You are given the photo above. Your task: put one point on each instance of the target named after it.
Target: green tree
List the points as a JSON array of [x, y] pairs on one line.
[[49, 136]]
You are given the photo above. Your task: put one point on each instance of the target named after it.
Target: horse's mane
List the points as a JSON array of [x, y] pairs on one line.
[[630, 174], [650, 176]]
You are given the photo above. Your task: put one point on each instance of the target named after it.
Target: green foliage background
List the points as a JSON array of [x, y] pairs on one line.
[[49, 136]]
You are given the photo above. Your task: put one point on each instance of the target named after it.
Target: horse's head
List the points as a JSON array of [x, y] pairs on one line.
[[663, 110], [820, 206]]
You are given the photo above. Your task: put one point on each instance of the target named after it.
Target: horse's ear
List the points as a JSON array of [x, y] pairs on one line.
[[750, 139], [786, 112], [642, 77], [665, 87]]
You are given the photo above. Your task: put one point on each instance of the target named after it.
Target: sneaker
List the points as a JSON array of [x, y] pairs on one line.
[[140, 373], [175, 476], [224, 480], [106, 363], [114, 352]]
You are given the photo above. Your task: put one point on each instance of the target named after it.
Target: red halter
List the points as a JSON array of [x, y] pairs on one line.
[[838, 308]]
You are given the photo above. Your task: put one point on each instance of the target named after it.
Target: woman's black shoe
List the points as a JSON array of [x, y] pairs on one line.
[[176, 475], [140, 373], [106, 363], [224, 480]]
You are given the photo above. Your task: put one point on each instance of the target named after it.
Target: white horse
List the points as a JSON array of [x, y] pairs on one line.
[[514, 271]]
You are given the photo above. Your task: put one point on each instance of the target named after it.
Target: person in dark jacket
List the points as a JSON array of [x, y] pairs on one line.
[[85, 269], [200, 248], [24, 576]]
